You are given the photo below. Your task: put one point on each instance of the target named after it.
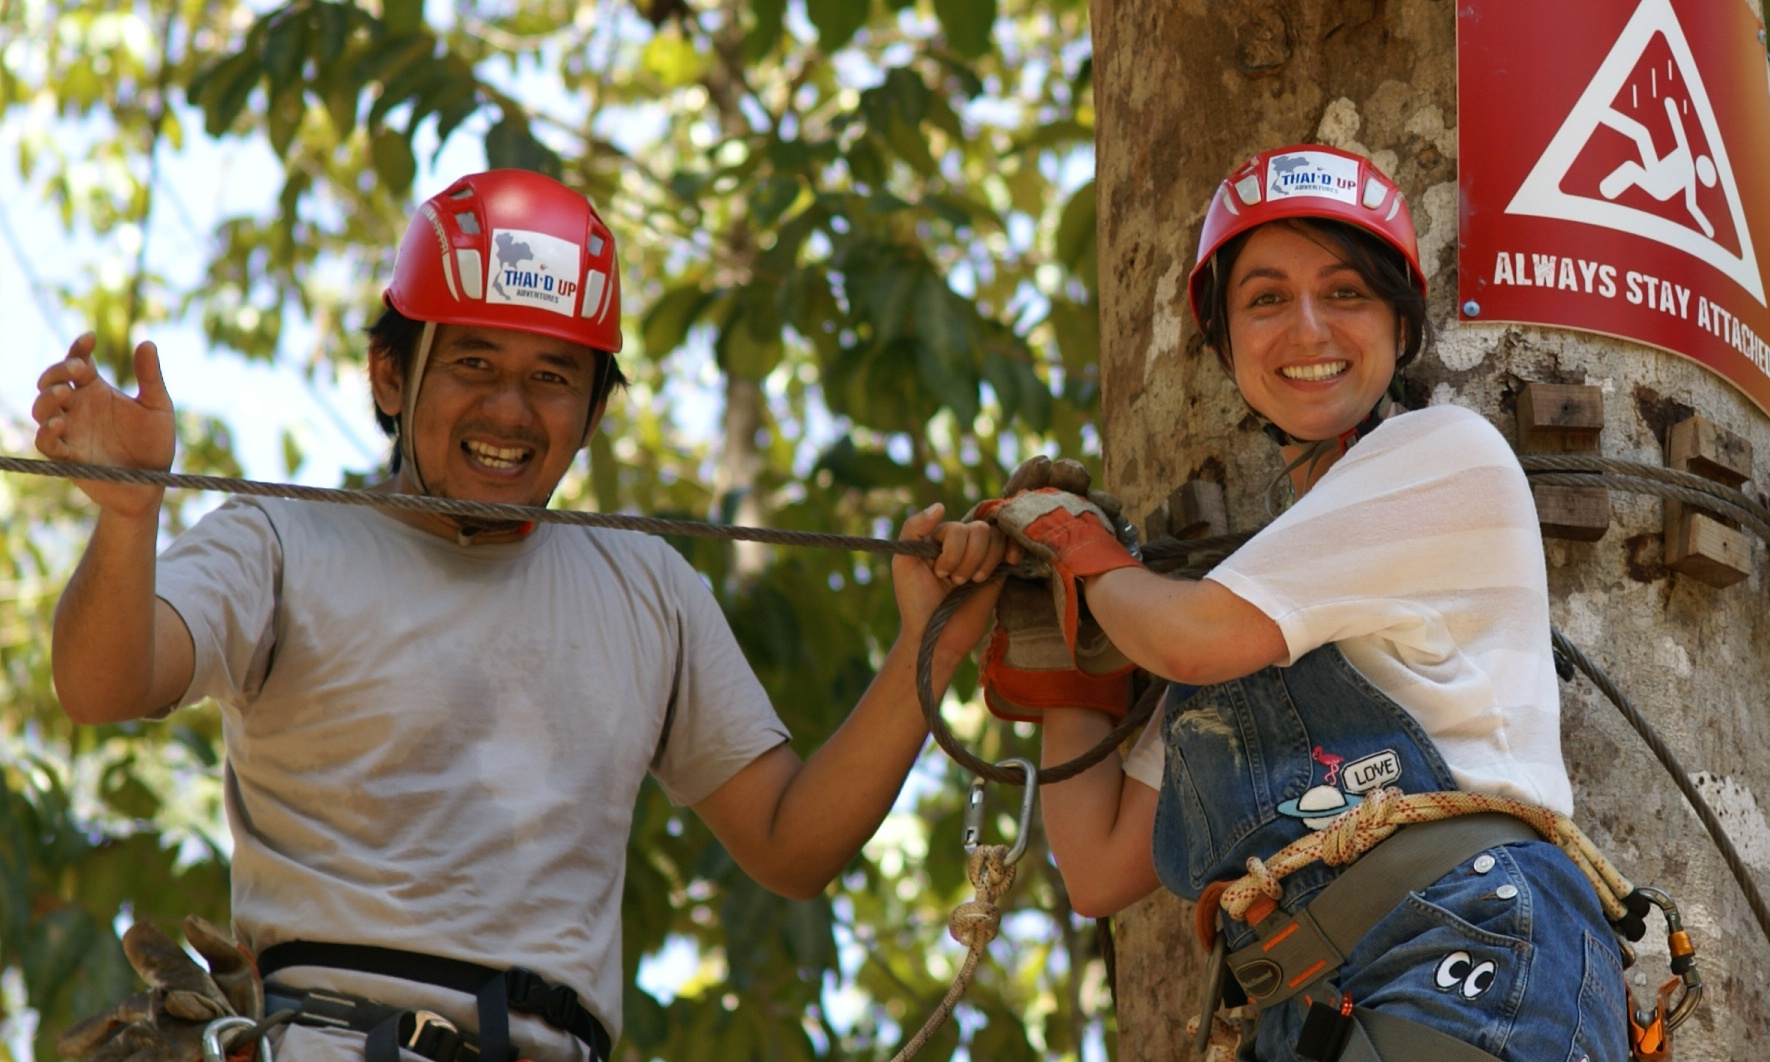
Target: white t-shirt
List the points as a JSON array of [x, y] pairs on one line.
[[1420, 555], [438, 748]]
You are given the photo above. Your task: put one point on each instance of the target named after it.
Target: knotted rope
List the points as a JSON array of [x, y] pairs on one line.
[[1387, 810], [974, 924]]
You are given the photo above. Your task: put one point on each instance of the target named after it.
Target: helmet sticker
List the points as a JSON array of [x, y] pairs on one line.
[[1315, 173], [534, 269]]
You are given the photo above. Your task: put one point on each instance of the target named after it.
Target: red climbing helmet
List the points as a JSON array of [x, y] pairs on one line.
[[1305, 181], [511, 249]]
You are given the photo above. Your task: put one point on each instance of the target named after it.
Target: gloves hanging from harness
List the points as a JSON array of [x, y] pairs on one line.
[[166, 1022], [1046, 650]]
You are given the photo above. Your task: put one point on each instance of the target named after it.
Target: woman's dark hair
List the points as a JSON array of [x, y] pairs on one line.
[[395, 335], [1381, 266]]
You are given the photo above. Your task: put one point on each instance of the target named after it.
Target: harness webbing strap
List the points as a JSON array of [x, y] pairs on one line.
[[496, 992], [1379, 1037]]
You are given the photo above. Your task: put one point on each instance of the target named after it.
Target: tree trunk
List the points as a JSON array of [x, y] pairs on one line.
[[1184, 92]]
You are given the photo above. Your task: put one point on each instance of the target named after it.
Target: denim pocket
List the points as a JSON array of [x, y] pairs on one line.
[[1600, 1034], [1455, 956]]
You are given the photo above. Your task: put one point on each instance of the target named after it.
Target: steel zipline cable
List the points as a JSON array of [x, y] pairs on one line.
[[1190, 558], [489, 511]]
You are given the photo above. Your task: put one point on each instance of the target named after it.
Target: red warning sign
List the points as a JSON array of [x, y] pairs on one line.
[[1615, 174]]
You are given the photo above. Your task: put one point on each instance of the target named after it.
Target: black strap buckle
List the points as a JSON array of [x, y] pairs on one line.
[[533, 994]]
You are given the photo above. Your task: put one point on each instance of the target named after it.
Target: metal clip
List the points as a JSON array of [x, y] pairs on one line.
[[424, 1019], [974, 810], [1650, 1032], [212, 1033]]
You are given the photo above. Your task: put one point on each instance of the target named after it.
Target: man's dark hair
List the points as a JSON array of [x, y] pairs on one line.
[[396, 335], [1382, 267]]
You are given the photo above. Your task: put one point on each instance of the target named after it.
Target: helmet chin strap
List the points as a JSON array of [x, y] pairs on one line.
[[465, 533], [1315, 450]]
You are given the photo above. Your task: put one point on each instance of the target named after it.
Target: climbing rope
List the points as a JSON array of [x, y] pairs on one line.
[[1387, 810], [974, 924]]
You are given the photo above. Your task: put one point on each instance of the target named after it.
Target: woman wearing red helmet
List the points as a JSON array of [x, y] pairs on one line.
[[1388, 632]]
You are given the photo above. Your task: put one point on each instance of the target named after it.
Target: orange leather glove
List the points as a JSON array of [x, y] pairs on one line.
[[1046, 651]]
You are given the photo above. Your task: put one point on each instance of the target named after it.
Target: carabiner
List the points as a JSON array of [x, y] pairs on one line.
[[1651, 1031], [974, 810], [212, 1049]]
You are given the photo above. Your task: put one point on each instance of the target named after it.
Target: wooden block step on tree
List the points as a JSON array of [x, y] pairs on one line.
[[1704, 545], [1565, 419], [1194, 509]]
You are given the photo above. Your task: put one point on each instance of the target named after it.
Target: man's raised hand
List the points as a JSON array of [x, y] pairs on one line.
[[81, 417]]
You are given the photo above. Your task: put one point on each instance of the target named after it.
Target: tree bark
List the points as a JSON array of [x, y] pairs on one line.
[[1184, 92]]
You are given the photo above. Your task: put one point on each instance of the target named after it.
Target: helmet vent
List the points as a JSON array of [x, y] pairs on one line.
[[469, 222], [461, 193], [472, 273], [1249, 189], [1373, 193], [595, 246]]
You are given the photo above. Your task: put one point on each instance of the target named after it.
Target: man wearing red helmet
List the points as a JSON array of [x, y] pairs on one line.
[[437, 728], [1388, 634]]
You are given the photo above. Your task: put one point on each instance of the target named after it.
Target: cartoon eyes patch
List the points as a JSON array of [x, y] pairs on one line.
[[1459, 972]]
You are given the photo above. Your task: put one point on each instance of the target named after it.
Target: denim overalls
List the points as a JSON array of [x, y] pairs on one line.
[[1509, 952]]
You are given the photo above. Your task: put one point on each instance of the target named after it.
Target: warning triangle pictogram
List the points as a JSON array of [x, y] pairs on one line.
[[1677, 154]]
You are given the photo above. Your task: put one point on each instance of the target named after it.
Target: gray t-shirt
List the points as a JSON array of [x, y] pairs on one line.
[[438, 748]]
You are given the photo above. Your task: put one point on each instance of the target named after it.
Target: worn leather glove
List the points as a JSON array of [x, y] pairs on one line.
[[1046, 650], [1028, 667], [166, 1022]]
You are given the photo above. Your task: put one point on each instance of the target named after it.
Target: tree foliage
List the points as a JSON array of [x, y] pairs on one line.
[[864, 226]]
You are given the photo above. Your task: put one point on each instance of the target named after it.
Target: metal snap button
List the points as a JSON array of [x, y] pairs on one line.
[[1506, 892], [1483, 864]]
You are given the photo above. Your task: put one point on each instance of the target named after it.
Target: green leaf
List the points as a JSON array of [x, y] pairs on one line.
[[764, 31], [951, 383], [125, 794], [223, 90], [665, 325], [284, 49], [331, 26], [673, 61], [837, 21], [394, 164], [403, 16], [1019, 389], [283, 120], [509, 145], [1077, 328], [968, 25], [940, 321], [293, 456], [850, 466], [749, 345], [773, 198], [865, 162], [1076, 235]]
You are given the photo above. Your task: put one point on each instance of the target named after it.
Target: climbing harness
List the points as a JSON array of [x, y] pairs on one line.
[[390, 1029], [990, 869]]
